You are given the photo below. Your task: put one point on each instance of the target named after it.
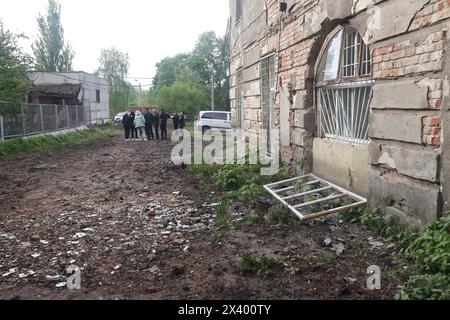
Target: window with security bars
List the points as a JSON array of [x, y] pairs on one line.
[[268, 88], [240, 100], [344, 88]]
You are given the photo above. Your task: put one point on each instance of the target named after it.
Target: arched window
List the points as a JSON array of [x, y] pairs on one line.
[[344, 88]]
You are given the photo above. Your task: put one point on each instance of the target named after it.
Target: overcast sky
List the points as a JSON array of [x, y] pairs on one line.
[[148, 30]]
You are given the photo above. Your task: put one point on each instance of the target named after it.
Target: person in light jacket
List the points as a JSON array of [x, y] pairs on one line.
[[139, 123]]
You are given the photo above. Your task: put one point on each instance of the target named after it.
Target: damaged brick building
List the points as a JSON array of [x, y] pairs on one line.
[[358, 90]]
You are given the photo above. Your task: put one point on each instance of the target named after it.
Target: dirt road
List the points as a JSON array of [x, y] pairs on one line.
[[138, 227]]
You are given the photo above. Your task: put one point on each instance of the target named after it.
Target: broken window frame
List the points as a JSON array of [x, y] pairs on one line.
[[355, 55], [324, 185]]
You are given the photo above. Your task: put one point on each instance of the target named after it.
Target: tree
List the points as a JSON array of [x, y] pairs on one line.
[[183, 96], [51, 51], [210, 57], [114, 66], [178, 68], [14, 64]]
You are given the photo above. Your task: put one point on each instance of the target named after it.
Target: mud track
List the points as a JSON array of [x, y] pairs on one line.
[[139, 228]]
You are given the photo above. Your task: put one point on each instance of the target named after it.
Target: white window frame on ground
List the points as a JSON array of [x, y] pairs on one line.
[[310, 197], [344, 88]]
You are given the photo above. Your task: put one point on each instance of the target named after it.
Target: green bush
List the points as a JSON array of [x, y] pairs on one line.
[[426, 287], [431, 249]]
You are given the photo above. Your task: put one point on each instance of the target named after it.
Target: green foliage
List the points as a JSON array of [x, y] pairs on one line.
[[51, 51], [279, 215], [202, 171], [179, 68], [233, 177], [426, 287], [49, 143], [114, 66], [259, 265], [431, 249], [195, 69], [301, 164], [14, 65], [183, 96]]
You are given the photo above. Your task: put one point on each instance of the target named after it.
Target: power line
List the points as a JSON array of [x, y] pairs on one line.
[[95, 83]]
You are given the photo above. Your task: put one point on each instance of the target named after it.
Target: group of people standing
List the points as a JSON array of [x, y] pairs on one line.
[[150, 123]]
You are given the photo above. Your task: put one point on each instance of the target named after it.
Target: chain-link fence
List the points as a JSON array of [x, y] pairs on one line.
[[21, 120]]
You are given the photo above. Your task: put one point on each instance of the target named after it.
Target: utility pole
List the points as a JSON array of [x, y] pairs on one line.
[[212, 90], [141, 101]]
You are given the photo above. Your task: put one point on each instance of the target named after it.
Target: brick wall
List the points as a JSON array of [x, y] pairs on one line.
[[407, 126]]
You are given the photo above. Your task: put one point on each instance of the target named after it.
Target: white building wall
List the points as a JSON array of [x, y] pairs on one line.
[[90, 85]]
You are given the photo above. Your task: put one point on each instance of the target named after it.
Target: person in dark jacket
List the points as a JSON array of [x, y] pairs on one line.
[[126, 126], [164, 116], [182, 121], [148, 115], [176, 121], [131, 125], [156, 122]]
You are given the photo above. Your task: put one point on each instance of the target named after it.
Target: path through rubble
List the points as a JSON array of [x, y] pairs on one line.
[[138, 227]]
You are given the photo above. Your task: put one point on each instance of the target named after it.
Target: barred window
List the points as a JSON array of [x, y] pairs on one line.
[[344, 88]]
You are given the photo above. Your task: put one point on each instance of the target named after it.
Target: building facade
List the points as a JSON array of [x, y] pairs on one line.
[[358, 90], [72, 88]]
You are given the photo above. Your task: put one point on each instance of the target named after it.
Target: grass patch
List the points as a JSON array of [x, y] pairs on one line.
[[429, 251], [260, 265], [51, 143]]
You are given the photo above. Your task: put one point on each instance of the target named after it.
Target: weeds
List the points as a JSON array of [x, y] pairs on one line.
[[260, 265], [51, 143], [428, 250], [279, 215], [426, 287]]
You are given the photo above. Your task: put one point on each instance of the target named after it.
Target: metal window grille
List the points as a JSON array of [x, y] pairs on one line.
[[268, 88], [350, 64], [240, 100], [343, 112], [366, 63]]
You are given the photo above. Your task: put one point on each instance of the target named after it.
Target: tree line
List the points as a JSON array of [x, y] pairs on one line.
[[185, 82]]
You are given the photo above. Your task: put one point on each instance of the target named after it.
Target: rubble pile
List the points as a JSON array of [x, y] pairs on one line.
[[100, 241]]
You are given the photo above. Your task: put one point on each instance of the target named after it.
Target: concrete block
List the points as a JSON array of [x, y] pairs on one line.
[[400, 95], [401, 127], [387, 19], [252, 73], [252, 57], [252, 89], [342, 164], [304, 119], [418, 164], [414, 198]]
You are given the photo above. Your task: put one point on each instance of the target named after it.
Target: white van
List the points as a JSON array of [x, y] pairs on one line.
[[207, 120]]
